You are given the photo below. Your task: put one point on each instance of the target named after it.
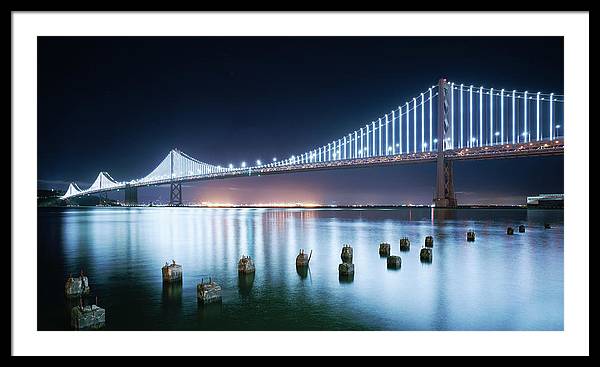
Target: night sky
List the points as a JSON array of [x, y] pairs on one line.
[[119, 104]]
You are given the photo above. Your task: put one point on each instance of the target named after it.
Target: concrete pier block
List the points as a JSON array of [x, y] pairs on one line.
[[384, 249], [346, 269], [77, 286], [172, 272], [87, 317], [521, 229], [246, 265], [208, 292], [394, 262], [303, 259], [510, 231], [426, 254], [404, 244], [347, 254], [470, 235], [429, 241], [302, 271]]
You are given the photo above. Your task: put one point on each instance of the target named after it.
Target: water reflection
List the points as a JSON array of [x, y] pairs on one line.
[[245, 283], [349, 278], [209, 311], [171, 294], [499, 282], [302, 271]]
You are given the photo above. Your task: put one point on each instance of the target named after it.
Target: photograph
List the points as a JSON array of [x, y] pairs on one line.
[[300, 183]]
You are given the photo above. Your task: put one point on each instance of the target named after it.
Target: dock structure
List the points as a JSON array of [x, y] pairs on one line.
[[77, 286], [471, 235], [384, 249], [521, 228], [510, 231], [347, 254], [404, 244], [246, 265], [208, 292], [87, 317], [303, 259], [172, 272], [346, 269], [394, 262], [426, 254], [429, 241]]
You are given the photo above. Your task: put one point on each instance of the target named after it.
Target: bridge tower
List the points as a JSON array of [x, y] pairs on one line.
[[444, 188], [175, 198]]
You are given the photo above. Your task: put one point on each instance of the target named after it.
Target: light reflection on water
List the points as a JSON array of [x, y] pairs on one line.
[[499, 282]]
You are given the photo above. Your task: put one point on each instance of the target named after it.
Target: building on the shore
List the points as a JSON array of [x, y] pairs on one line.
[[546, 201]]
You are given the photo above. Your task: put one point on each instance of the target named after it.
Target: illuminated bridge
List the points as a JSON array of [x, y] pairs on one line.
[[443, 124]]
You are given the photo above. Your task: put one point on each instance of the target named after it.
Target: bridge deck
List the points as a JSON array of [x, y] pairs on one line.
[[542, 148]]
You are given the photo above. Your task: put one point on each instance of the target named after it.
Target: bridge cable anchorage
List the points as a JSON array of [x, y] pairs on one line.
[[484, 124]]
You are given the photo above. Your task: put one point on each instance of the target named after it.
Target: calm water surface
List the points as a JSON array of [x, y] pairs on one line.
[[499, 282]]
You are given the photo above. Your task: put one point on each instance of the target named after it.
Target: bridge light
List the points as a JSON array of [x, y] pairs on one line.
[[425, 145], [274, 159], [435, 140], [497, 133], [258, 162], [243, 164], [558, 126]]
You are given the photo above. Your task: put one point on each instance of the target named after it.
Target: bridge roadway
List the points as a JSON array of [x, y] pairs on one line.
[[532, 149]]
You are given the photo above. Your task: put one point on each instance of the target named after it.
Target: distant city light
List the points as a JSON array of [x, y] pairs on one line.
[[258, 162], [435, 140], [274, 159], [230, 166], [497, 133], [243, 164]]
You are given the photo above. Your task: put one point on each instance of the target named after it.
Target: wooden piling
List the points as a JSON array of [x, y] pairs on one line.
[[429, 241], [404, 244], [384, 249]]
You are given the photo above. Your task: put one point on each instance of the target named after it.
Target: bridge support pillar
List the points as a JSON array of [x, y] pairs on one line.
[[444, 188], [444, 196], [175, 199], [131, 197]]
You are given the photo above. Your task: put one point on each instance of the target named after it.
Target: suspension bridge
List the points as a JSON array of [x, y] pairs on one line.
[[447, 122]]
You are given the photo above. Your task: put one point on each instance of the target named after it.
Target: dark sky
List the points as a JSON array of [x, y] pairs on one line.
[[119, 104]]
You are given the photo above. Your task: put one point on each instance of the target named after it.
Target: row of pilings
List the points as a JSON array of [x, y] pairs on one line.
[[85, 313]]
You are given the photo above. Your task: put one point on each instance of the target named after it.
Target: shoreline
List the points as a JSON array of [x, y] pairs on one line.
[[312, 207]]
